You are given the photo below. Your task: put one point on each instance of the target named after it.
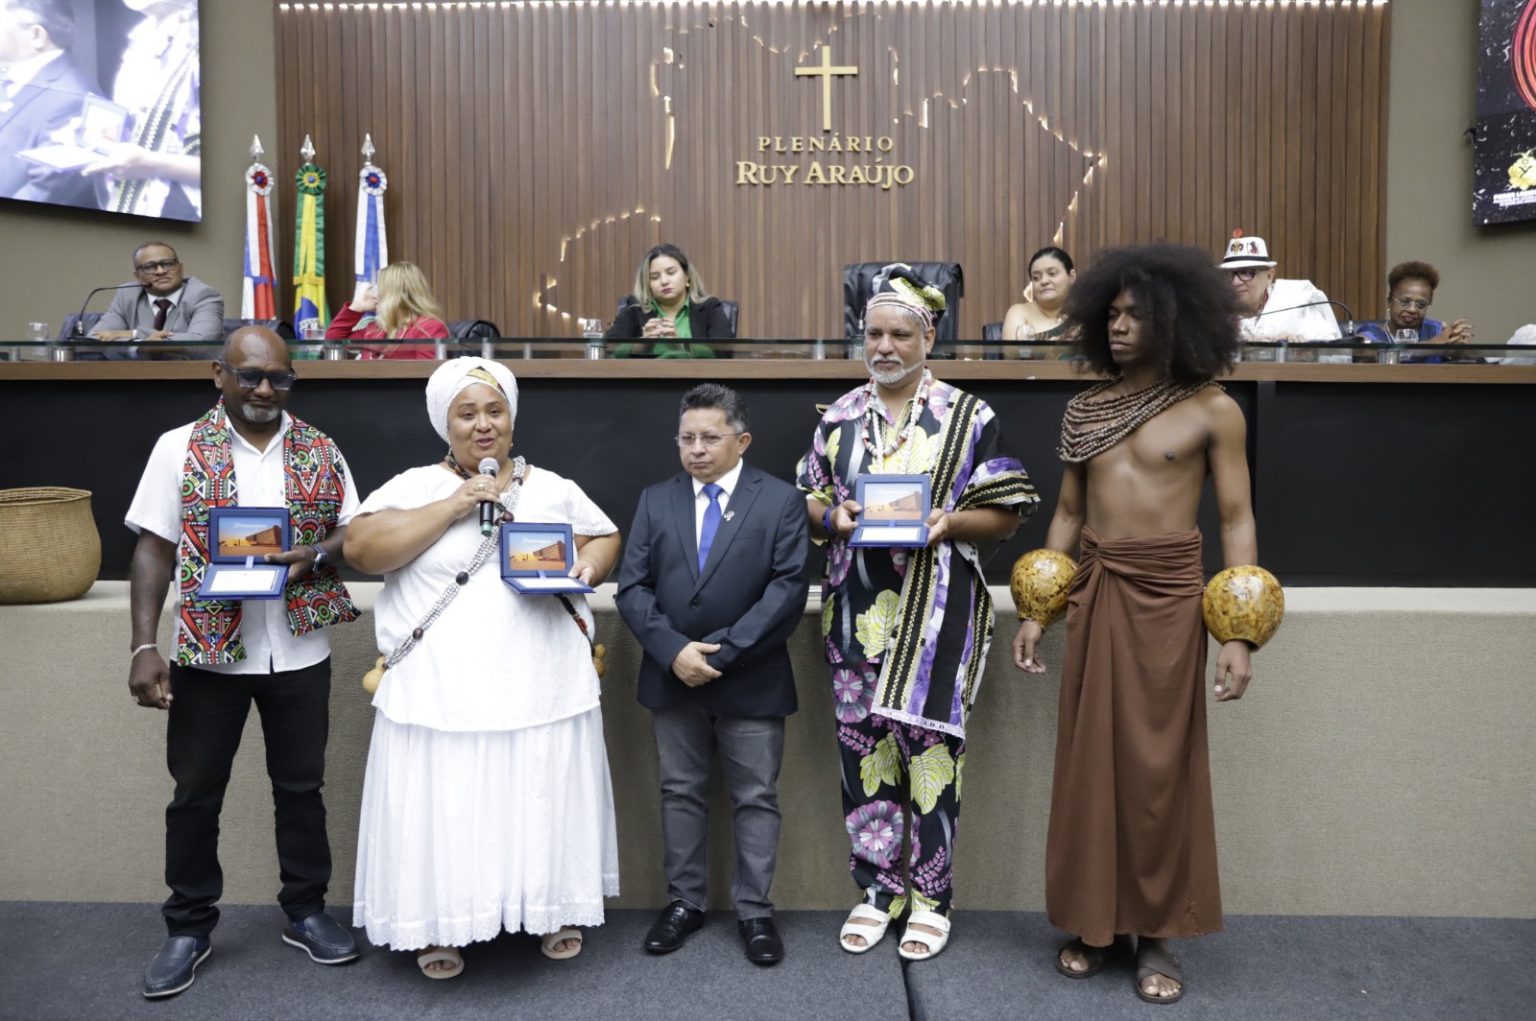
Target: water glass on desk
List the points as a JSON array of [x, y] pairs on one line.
[[592, 333], [1391, 355]]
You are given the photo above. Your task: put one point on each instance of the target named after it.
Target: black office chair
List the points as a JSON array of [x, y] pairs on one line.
[[474, 330], [991, 333], [858, 281], [280, 327]]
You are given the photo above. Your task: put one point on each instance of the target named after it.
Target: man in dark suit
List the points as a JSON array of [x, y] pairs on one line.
[[41, 91], [170, 305], [713, 584]]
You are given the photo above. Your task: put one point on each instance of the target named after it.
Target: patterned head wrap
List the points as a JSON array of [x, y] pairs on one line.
[[453, 376], [897, 286]]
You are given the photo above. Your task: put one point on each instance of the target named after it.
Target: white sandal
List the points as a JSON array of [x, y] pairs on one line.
[[442, 955], [933, 943], [871, 934], [549, 941]]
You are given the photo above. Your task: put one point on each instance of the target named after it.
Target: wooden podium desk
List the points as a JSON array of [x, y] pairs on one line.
[[1363, 474]]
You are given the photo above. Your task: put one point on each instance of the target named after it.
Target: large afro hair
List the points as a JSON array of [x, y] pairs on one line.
[[1193, 324]]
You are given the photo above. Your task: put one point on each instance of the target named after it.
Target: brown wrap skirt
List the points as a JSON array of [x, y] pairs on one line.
[[1132, 841]]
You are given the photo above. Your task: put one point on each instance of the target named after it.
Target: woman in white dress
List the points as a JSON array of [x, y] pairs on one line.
[[487, 803]]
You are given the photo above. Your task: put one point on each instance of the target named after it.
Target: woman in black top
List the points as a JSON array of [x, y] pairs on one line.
[[670, 309]]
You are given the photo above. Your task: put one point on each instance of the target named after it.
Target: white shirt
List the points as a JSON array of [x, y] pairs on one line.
[[726, 482], [1281, 319], [494, 660], [270, 645]]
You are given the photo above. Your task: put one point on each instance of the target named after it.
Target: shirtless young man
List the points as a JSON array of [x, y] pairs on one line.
[[1131, 849]]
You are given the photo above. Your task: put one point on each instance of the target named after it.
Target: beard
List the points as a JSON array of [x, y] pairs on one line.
[[260, 416], [889, 377]]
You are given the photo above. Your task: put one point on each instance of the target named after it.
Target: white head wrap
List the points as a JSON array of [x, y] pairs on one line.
[[454, 375]]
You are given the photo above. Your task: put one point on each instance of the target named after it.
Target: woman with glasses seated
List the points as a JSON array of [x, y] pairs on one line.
[[399, 307], [670, 310], [1043, 317], [1410, 292]]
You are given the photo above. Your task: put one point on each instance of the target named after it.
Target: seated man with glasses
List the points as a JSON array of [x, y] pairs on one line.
[[1270, 309], [1410, 292], [246, 451], [167, 305]]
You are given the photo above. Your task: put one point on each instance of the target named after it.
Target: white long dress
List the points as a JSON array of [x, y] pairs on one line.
[[487, 803]]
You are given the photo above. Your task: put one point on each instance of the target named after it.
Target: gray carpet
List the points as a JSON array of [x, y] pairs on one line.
[[1265, 968], [72, 961]]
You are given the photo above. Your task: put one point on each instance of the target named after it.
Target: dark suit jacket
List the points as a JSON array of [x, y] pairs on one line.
[[199, 315], [749, 598], [44, 105], [706, 320]]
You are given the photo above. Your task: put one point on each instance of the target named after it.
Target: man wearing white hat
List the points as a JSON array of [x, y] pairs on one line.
[[1272, 309]]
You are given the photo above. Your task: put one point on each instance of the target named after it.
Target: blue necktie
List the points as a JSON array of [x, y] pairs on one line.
[[711, 522]]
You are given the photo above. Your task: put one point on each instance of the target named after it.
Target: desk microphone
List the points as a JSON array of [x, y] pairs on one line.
[[490, 510], [78, 333], [1349, 320]]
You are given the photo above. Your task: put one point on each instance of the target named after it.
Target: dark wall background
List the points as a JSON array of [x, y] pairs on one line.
[[1355, 484]]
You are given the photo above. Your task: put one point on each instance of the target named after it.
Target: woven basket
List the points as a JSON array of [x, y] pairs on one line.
[[50, 550]]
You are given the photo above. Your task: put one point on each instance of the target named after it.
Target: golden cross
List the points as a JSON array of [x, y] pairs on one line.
[[826, 70]]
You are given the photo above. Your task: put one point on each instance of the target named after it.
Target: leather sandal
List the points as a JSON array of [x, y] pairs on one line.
[[1096, 957], [932, 942], [1156, 959], [871, 934]]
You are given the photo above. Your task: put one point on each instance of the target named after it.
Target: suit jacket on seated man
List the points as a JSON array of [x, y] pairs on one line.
[[46, 91], [170, 306], [713, 584]]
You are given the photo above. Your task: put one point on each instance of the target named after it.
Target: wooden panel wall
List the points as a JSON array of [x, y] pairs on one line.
[[535, 150]]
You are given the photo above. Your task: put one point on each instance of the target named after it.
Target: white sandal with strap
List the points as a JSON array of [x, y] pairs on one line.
[[871, 934], [549, 941], [442, 955], [933, 943]]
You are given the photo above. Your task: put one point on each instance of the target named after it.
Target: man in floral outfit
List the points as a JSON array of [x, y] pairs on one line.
[[907, 630]]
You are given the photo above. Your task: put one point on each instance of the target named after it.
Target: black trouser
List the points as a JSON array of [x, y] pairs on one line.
[[207, 716]]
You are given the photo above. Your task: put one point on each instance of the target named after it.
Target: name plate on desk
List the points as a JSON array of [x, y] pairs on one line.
[[536, 559], [238, 540], [895, 510]]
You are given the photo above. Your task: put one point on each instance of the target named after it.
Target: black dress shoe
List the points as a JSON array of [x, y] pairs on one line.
[[322, 938], [761, 940], [672, 927], [175, 966]]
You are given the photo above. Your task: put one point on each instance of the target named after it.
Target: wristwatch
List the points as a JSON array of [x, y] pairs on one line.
[[320, 558]]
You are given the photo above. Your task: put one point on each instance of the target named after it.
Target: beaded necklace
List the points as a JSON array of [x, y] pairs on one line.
[[873, 433], [1091, 427]]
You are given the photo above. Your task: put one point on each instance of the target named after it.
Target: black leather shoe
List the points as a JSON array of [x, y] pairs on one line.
[[322, 938], [761, 940], [175, 966], [672, 927]]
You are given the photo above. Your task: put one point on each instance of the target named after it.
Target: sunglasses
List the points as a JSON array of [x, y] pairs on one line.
[[250, 379]]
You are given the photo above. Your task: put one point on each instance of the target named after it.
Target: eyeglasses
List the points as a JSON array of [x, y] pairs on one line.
[[1413, 303], [155, 267], [1246, 273], [250, 379], [708, 439]]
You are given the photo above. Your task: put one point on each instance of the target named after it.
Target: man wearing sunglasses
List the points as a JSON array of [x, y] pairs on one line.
[[246, 451], [169, 305]]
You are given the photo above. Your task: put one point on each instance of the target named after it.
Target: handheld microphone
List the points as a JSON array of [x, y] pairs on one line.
[[1348, 327], [78, 332], [490, 510]]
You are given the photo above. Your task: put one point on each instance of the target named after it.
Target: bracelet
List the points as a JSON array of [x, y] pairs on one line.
[[140, 648], [826, 521]]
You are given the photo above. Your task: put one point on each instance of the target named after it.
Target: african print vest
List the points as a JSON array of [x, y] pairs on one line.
[[315, 482]]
